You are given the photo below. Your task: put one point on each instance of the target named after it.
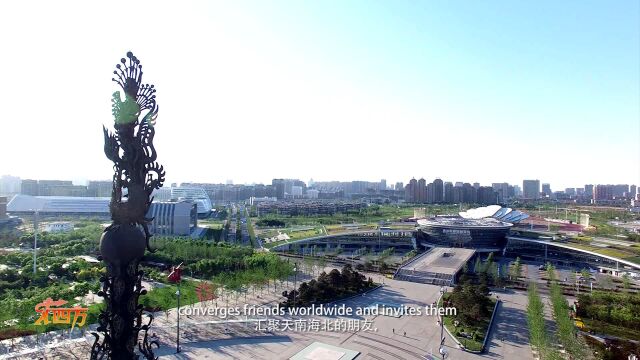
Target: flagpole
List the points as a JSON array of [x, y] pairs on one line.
[[178, 328], [175, 276]]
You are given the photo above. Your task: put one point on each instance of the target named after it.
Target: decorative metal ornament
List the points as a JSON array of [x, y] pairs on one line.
[[123, 243]]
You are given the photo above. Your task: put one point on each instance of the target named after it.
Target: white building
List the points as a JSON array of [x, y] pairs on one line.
[[58, 227], [296, 191], [312, 193], [194, 194]]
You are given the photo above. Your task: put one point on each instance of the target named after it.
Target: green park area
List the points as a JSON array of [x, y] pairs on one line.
[[67, 269]]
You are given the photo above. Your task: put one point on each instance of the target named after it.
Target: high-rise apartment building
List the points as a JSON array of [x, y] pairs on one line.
[[438, 191], [411, 191], [546, 190], [588, 190], [503, 191], [422, 190], [448, 192], [603, 192], [431, 193]]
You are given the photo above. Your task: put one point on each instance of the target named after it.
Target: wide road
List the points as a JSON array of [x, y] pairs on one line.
[[509, 338]]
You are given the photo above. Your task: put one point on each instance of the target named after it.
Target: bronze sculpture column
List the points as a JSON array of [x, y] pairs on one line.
[[123, 243]]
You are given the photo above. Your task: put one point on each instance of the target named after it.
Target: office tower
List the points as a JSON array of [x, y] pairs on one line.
[[99, 188], [3, 207], [278, 185], [9, 185], [546, 190], [517, 191], [29, 187], [531, 189]]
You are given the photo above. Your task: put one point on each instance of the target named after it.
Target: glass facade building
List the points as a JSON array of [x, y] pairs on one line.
[[458, 232]]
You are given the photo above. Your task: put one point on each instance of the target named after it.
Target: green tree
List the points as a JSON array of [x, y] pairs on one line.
[[626, 281], [516, 269]]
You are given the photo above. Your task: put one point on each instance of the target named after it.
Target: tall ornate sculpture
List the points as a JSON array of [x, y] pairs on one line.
[[123, 243]]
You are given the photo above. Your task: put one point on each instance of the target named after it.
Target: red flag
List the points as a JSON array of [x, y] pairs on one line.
[[175, 274]]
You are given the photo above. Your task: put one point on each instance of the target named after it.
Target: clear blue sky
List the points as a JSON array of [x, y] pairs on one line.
[[335, 90]]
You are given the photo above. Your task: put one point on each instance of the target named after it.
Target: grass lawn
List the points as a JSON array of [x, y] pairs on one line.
[[624, 255], [481, 329], [369, 215], [303, 234], [211, 224], [600, 327]]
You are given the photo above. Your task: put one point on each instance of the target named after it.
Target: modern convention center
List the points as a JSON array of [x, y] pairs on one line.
[[484, 229]]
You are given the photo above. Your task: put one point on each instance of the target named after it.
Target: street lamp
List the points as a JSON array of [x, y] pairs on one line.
[[295, 282], [443, 291], [35, 238], [443, 352]]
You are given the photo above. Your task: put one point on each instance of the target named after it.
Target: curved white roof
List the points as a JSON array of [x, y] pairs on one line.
[[195, 194], [59, 204], [481, 212], [495, 211]]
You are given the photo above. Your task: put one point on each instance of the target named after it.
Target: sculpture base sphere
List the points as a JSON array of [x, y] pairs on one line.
[[120, 244]]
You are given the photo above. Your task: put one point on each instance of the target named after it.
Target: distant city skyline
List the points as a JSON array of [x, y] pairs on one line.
[[251, 91], [389, 183]]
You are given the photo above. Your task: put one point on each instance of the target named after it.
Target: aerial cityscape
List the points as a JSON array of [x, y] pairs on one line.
[[325, 181]]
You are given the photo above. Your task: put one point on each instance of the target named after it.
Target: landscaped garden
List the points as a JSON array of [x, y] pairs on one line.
[[616, 314], [331, 286], [474, 309], [68, 270]]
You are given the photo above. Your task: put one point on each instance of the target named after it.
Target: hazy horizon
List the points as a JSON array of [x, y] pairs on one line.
[[249, 91]]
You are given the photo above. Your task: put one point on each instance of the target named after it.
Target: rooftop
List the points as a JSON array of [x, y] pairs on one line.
[[460, 222], [444, 260]]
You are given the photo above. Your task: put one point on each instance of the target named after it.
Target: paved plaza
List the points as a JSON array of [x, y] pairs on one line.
[[389, 337]]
